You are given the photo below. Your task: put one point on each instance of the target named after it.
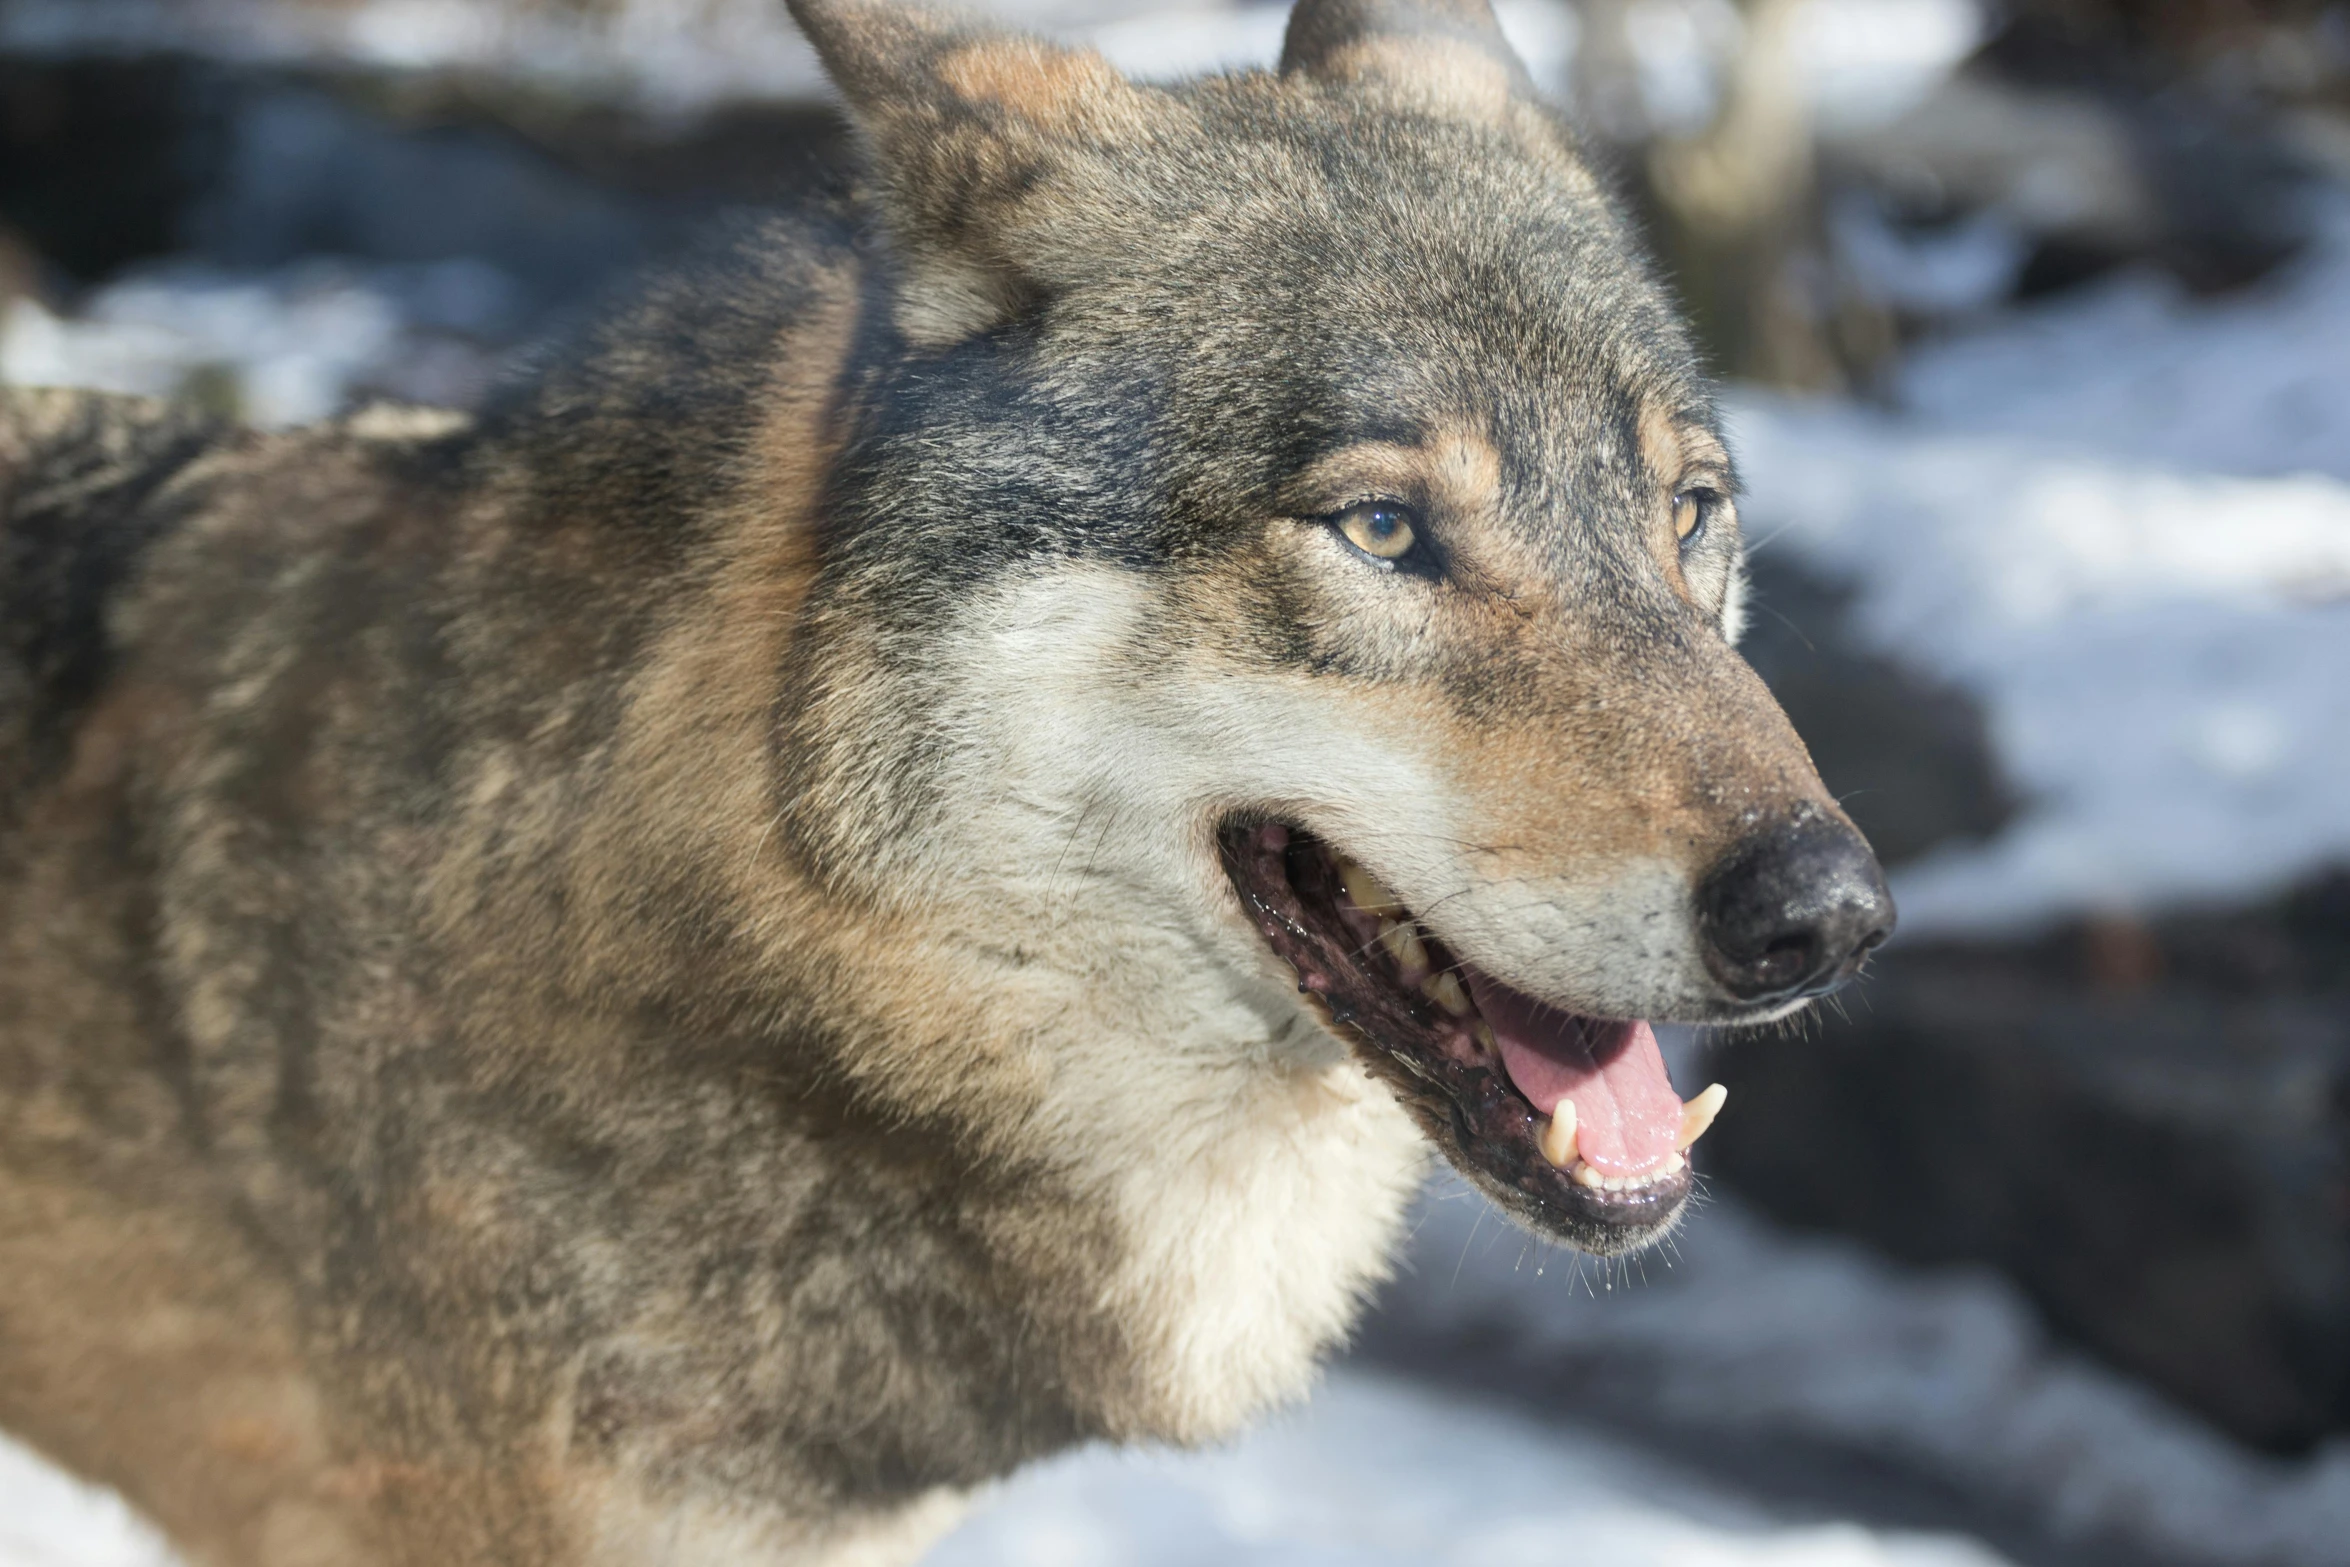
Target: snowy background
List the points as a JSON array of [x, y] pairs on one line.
[[2110, 512]]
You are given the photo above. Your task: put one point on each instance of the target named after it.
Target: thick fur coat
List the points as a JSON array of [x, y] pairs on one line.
[[648, 977]]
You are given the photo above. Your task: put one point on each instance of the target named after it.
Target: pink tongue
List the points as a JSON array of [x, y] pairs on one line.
[[1627, 1117]]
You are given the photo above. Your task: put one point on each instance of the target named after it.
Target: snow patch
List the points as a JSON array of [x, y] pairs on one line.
[[1379, 1471], [2160, 654], [2123, 523], [1376, 1472], [1741, 1328], [50, 1519], [2253, 384], [281, 348], [1867, 62]]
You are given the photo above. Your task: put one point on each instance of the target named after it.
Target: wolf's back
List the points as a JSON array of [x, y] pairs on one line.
[[85, 481]]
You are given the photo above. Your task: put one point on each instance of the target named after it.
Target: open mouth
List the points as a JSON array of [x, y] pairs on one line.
[[1567, 1120]]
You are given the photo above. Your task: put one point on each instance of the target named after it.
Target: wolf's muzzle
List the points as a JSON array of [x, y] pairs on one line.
[[1793, 909]]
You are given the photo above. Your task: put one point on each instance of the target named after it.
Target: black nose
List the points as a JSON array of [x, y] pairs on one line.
[[1791, 910]]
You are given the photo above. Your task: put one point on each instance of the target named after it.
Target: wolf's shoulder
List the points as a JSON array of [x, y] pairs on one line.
[[85, 489]]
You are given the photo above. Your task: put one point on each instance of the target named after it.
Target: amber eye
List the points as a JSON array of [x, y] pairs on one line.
[[1380, 529], [1691, 510]]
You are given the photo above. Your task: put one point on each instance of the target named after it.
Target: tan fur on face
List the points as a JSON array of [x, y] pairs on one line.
[[1678, 449], [1557, 825], [1595, 820], [1661, 443], [1556, 848], [1456, 471], [1205, 1112]]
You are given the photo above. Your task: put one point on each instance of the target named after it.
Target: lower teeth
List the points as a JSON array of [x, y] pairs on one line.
[[1585, 1175]]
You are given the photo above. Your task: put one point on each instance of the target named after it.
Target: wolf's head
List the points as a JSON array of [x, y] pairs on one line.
[[1292, 528]]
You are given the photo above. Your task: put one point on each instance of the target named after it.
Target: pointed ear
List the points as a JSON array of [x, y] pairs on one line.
[[991, 149], [1446, 55]]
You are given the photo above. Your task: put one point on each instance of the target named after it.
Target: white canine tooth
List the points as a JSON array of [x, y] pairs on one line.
[[1445, 990], [1673, 1165], [1482, 1032], [1367, 891], [1558, 1138], [1403, 944], [1699, 1113]]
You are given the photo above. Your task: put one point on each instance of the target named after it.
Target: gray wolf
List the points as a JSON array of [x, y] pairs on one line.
[[894, 862]]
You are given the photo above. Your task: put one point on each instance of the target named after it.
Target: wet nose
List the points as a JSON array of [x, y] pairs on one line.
[[1792, 910]]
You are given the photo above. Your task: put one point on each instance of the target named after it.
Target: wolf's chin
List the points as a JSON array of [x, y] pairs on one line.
[[1567, 1121]]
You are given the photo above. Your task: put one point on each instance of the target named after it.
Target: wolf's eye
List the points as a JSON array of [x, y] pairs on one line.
[[1380, 529], [1692, 510]]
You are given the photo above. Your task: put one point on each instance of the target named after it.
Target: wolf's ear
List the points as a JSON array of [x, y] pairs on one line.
[[1449, 55], [990, 147]]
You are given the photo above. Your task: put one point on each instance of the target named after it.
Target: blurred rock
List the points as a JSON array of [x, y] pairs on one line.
[[307, 172], [2221, 178], [101, 160], [279, 243], [666, 56], [2279, 48], [2093, 176], [1825, 1374], [109, 162], [23, 272], [2146, 1123]]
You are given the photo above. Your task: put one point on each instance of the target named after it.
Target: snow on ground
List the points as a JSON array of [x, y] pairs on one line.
[[2160, 651], [1381, 1472], [2123, 522], [671, 55], [286, 347], [1741, 1329], [50, 1519], [1374, 1472], [2255, 384]]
